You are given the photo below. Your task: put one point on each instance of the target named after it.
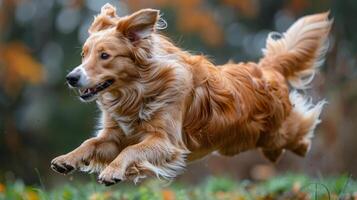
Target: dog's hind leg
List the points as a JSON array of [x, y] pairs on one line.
[[298, 128], [273, 155], [301, 147]]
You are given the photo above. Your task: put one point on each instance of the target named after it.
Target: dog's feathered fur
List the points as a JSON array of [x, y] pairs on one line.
[[167, 106]]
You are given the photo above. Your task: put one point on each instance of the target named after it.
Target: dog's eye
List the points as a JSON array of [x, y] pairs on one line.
[[104, 56]]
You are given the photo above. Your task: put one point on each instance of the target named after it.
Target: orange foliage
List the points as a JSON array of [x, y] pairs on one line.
[[168, 195], [200, 22], [17, 66], [31, 195], [2, 188], [191, 18], [298, 5], [188, 4], [248, 8], [12, 2]]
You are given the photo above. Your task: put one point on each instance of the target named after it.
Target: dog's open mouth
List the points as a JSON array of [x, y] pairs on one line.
[[88, 93]]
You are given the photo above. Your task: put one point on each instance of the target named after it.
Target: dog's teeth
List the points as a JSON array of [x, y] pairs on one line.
[[89, 92]]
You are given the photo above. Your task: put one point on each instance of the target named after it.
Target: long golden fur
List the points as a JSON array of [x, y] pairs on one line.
[[164, 107]]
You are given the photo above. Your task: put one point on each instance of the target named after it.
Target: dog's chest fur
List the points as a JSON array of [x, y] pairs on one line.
[[126, 118], [125, 123]]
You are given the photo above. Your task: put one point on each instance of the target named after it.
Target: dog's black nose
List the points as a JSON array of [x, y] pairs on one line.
[[73, 79]]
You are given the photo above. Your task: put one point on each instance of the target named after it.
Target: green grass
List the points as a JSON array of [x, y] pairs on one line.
[[282, 187]]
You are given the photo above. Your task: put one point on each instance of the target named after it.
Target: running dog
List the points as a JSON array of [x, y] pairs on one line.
[[163, 107]]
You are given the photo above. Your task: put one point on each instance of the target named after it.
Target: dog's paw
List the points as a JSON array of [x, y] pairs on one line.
[[110, 176], [63, 165]]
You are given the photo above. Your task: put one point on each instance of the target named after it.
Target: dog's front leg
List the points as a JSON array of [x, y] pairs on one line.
[[92, 155], [154, 155]]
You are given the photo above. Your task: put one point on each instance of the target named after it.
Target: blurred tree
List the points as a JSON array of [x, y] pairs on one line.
[[18, 68]]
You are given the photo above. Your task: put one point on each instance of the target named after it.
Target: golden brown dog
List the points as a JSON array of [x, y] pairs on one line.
[[162, 106]]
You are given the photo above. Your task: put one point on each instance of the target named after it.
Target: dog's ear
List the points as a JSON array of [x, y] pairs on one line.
[[106, 19], [139, 25]]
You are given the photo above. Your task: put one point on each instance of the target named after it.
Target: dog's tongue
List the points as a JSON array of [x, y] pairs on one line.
[[92, 90]]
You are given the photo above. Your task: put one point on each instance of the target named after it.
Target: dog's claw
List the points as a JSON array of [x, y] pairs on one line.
[[62, 169], [69, 168], [58, 168], [109, 183], [106, 183], [116, 180]]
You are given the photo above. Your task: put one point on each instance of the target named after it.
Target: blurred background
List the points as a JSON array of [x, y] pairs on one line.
[[40, 41]]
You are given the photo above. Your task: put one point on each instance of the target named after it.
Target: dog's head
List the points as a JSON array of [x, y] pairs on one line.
[[110, 54]]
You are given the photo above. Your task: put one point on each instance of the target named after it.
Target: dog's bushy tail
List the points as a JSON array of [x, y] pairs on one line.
[[300, 50]]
